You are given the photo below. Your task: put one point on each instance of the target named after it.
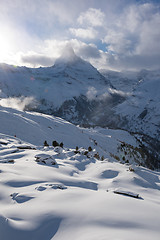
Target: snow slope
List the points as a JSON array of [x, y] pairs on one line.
[[65, 193], [35, 128]]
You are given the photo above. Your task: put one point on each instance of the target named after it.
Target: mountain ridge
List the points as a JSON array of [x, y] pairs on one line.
[[74, 90]]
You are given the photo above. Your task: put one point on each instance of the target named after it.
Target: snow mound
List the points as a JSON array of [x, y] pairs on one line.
[[74, 198]]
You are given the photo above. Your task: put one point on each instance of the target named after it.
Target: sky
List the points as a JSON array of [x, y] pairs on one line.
[[110, 34]]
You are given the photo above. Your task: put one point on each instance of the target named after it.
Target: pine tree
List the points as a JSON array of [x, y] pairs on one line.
[[45, 144]]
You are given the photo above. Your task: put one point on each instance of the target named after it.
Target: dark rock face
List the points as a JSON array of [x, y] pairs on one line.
[[143, 114], [86, 113]]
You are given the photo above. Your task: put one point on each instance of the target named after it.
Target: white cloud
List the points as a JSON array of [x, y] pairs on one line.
[[118, 92], [91, 93], [149, 38], [36, 60], [21, 103], [54, 48], [47, 52], [118, 43], [129, 29], [94, 94], [93, 17], [88, 33], [88, 51], [133, 39]]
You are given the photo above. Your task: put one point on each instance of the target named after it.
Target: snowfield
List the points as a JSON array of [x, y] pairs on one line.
[[77, 192]]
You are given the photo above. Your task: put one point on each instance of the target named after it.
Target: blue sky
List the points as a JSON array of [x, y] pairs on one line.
[[111, 34]]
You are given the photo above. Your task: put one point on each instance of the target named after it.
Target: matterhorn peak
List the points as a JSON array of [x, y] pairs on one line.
[[68, 55]]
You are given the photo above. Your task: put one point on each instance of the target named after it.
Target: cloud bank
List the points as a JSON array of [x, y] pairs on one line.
[[21, 103], [117, 34]]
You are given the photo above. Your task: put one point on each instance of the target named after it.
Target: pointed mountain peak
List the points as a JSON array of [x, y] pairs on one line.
[[68, 55]]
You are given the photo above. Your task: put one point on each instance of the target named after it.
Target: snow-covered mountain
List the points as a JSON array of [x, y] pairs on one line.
[[74, 90], [70, 77], [92, 187], [122, 81], [141, 110]]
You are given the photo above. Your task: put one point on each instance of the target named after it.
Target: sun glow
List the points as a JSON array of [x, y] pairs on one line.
[[5, 48]]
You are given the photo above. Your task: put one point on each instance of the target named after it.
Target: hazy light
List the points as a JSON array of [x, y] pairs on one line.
[[5, 48]]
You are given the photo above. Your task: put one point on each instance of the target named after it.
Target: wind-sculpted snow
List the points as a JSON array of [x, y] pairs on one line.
[[69, 192]]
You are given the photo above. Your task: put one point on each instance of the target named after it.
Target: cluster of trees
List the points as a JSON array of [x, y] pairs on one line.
[[54, 144]]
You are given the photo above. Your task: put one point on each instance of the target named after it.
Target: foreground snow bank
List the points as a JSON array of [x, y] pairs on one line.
[[74, 197]]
